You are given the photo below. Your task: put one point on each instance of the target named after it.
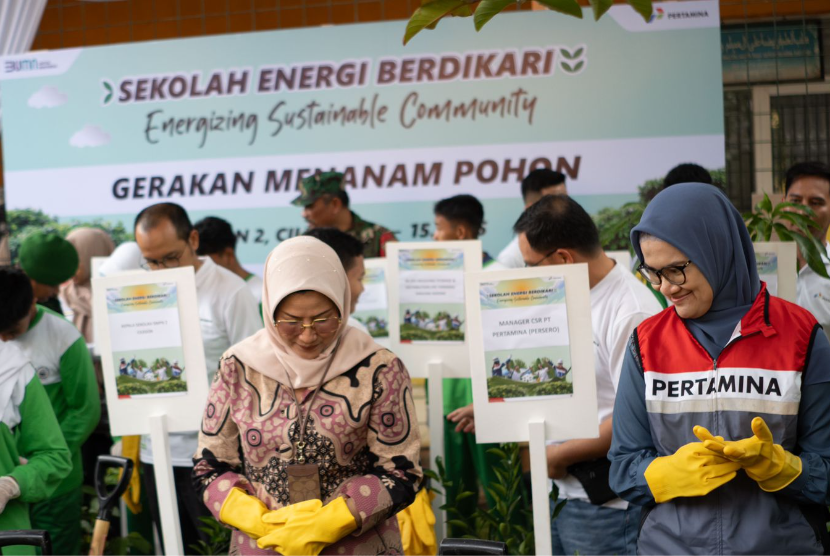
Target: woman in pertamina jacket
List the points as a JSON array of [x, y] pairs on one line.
[[722, 417]]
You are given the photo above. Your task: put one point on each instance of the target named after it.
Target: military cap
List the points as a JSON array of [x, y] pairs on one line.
[[47, 258], [314, 187]]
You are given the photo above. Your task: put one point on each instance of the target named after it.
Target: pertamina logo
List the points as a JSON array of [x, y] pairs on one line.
[[675, 13], [31, 64], [658, 14]]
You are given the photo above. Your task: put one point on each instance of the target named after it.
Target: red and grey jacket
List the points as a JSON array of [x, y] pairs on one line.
[[670, 383]]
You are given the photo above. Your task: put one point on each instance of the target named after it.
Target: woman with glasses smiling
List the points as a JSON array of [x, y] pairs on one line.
[[309, 440], [722, 418]]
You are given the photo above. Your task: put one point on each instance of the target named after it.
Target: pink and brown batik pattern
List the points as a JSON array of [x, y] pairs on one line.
[[362, 433]]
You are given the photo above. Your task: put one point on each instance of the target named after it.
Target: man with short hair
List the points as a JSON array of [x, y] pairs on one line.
[[688, 172], [326, 205], [217, 241], [808, 183], [48, 260], [350, 252], [61, 359], [227, 314], [537, 184], [553, 231], [459, 218]]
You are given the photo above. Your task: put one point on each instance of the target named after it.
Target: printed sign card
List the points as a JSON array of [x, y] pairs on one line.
[[776, 262], [373, 305], [431, 295], [147, 332], [427, 303], [526, 340], [146, 340], [532, 353]]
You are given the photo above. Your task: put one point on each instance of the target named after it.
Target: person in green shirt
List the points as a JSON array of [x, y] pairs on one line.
[[467, 463], [34, 458], [63, 365], [48, 260]]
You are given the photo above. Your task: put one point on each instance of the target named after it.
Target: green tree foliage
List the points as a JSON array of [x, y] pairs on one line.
[[24, 222], [431, 12]]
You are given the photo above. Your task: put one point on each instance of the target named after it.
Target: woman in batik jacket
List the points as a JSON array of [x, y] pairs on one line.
[[309, 439]]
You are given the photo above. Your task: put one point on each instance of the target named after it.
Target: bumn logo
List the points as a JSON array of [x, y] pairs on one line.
[[32, 64]]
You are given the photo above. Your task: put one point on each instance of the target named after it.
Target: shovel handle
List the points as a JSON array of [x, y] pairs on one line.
[[99, 537], [108, 498]]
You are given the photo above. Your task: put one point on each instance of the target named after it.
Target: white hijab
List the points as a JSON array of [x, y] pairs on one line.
[[300, 264], [15, 374]]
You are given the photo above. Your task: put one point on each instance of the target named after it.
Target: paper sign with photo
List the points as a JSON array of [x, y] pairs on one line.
[[526, 340], [431, 295], [146, 340], [373, 306], [767, 265]]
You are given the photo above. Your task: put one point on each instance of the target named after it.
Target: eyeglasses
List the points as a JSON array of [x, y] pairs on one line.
[[675, 274], [540, 261], [170, 261], [322, 327]]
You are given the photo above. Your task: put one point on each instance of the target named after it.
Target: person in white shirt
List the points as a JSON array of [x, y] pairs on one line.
[[808, 183], [535, 185], [554, 231], [217, 240], [228, 314], [350, 251]]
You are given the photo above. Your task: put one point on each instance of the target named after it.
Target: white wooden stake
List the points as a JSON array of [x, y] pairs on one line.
[[165, 486], [435, 374], [539, 486]]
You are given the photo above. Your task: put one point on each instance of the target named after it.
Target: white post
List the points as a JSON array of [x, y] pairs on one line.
[[435, 376], [539, 486], [165, 486]]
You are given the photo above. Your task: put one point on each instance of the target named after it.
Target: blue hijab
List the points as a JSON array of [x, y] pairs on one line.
[[700, 221]]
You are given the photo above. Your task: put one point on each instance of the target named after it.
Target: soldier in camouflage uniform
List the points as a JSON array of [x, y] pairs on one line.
[[326, 205]]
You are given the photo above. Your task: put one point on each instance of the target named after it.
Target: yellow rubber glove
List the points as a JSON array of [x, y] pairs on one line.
[[130, 448], [245, 512], [769, 464], [308, 527], [693, 470], [417, 523]]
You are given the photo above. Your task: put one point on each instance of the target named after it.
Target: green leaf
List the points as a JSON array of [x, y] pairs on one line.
[[458, 523], [803, 221], [783, 233], [464, 496], [558, 509], [487, 9], [429, 14], [766, 204], [569, 7], [811, 250], [431, 474], [600, 7], [642, 7], [498, 453]]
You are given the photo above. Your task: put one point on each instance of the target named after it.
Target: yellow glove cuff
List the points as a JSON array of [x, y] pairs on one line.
[[244, 512], [339, 517], [789, 472]]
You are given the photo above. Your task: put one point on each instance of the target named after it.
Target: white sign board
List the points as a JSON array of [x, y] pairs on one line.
[[147, 332], [531, 353], [427, 303], [373, 305], [777, 266]]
